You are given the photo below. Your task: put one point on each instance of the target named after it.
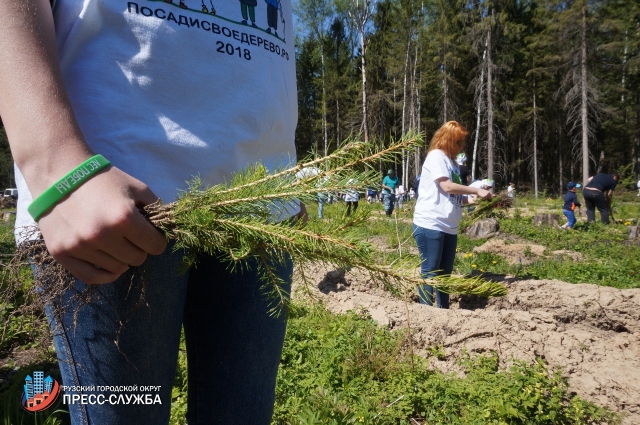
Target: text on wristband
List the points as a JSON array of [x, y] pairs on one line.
[[77, 176]]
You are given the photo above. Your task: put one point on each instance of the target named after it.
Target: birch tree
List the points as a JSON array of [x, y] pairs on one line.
[[359, 13], [315, 15]]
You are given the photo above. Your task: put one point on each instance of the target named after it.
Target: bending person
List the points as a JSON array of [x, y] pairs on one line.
[[439, 208], [598, 193]]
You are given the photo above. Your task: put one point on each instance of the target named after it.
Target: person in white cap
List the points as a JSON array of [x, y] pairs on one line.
[[486, 184], [465, 173]]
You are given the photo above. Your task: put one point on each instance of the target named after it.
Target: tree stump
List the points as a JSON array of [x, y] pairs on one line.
[[484, 228], [548, 219]]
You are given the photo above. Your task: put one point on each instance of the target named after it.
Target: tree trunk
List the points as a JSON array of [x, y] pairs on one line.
[[490, 134], [478, 113], [404, 103], [338, 139], [560, 171], [600, 163], [535, 142], [404, 87], [417, 164], [364, 89], [445, 93], [324, 103], [583, 106], [624, 69]]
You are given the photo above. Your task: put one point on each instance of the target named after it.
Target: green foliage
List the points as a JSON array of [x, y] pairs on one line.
[[16, 329], [627, 178], [345, 370], [179, 391], [607, 258], [6, 162]]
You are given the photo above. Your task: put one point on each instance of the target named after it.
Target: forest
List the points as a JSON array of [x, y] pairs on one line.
[[548, 89]]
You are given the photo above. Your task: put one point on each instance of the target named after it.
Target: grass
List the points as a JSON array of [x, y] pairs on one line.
[[343, 369], [607, 257], [346, 370]]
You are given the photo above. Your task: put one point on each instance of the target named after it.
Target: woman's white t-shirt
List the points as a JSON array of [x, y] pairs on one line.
[[436, 209], [172, 90]]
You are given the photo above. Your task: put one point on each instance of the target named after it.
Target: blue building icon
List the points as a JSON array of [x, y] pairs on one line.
[[38, 382], [48, 384], [28, 387]]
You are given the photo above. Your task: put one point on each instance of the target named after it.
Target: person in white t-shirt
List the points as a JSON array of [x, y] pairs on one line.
[[400, 196], [163, 102], [638, 188], [439, 208], [351, 197], [511, 193], [486, 184]]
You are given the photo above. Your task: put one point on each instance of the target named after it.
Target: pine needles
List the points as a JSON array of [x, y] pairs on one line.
[[495, 207], [243, 220]]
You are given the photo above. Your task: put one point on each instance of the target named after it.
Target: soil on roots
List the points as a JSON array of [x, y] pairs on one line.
[[591, 332]]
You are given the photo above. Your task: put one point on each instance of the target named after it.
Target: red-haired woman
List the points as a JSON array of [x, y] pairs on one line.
[[439, 208]]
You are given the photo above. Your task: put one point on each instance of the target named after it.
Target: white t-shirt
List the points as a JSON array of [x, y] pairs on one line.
[[435, 209], [167, 93], [478, 183], [351, 195]]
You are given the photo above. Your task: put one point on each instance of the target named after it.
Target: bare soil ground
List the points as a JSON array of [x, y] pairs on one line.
[[591, 332]]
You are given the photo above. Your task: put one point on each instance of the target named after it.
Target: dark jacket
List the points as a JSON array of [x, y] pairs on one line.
[[416, 185], [570, 201]]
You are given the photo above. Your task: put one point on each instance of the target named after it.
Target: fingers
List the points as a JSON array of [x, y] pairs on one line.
[[142, 234], [87, 272], [145, 238], [110, 233]]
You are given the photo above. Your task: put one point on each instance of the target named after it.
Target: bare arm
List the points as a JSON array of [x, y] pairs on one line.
[[98, 224], [452, 188]]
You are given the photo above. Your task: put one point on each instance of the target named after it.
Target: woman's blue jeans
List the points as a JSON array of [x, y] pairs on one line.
[[389, 202], [130, 334], [571, 218], [437, 254], [322, 199]]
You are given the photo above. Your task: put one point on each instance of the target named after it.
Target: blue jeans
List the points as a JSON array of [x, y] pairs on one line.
[[233, 345], [571, 218], [594, 199], [322, 199], [437, 254], [389, 202]]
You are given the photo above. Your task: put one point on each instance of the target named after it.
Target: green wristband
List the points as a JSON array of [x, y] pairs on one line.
[[70, 182]]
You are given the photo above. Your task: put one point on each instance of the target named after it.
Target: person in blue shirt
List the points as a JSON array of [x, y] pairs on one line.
[[570, 204], [416, 185], [389, 185]]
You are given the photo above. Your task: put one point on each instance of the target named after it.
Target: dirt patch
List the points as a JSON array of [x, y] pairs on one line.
[[521, 252], [514, 253], [591, 332]]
